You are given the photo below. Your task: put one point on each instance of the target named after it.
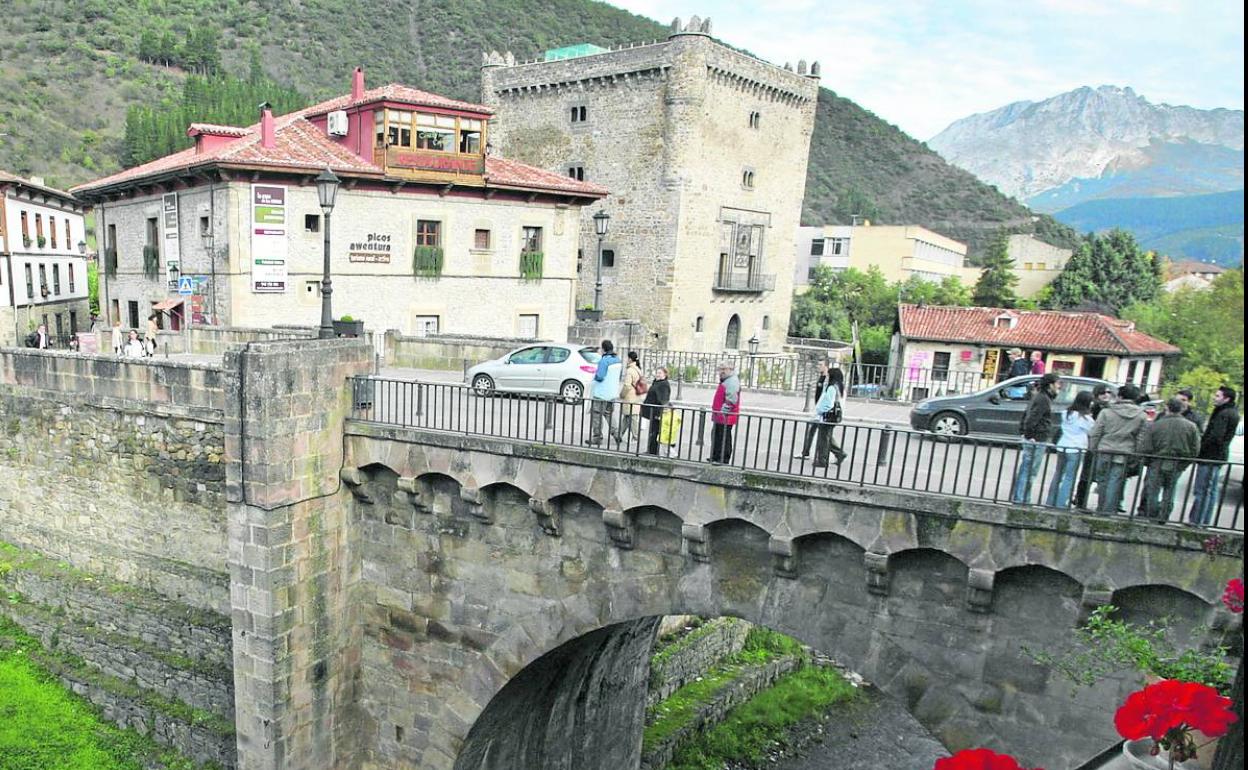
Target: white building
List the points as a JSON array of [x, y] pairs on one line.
[[899, 251], [43, 270]]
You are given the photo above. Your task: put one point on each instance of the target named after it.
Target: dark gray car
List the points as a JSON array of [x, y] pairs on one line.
[[998, 409]]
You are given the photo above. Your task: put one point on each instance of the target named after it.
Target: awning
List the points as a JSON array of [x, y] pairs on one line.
[[167, 304]]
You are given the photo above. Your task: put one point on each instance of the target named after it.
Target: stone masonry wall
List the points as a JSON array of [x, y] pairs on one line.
[[691, 656], [444, 351]]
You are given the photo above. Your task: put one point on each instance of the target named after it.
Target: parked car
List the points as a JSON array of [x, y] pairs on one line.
[[998, 409], [564, 370]]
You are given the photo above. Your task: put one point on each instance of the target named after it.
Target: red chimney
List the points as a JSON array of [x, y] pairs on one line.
[[357, 84], [268, 131]]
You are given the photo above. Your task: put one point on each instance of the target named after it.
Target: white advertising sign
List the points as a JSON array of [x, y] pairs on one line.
[[171, 248], [268, 239]]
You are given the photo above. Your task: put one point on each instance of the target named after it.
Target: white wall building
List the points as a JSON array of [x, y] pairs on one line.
[[43, 270]]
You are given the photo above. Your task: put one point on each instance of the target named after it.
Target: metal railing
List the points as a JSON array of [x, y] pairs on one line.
[[744, 282], [915, 383], [876, 456], [763, 371]]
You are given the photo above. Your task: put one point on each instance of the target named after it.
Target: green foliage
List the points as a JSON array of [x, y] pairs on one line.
[[531, 265], [93, 287], [427, 261], [1109, 270], [1207, 324], [1104, 646], [995, 287], [757, 725], [763, 645], [1202, 381], [151, 261]]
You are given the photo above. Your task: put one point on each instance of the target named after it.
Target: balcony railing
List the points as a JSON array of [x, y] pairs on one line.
[[427, 261], [744, 282], [531, 265]]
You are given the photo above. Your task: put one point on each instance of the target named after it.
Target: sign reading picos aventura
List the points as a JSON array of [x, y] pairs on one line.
[[375, 249], [268, 239]]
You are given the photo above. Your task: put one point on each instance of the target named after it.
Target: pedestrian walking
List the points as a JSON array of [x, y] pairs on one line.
[[149, 338], [632, 390], [1036, 428], [812, 427], [829, 412], [119, 340], [1116, 440], [1019, 367], [42, 340], [134, 346], [606, 389], [1102, 396], [1188, 412], [1215, 446], [1072, 448], [725, 410], [658, 397], [1037, 362], [1170, 443]]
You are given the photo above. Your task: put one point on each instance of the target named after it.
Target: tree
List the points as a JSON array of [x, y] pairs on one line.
[[995, 287], [1108, 269]]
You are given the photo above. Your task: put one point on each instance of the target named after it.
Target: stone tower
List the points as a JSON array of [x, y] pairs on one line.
[[704, 150]]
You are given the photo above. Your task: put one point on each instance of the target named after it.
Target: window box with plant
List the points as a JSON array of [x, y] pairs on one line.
[[531, 265], [427, 261], [41, 241], [151, 262], [588, 313], [348, 327], [26, 241]]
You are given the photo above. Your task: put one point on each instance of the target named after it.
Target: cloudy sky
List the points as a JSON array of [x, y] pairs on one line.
[[922, 65]]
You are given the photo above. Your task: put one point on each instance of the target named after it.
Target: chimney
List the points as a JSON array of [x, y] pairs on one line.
[[357, 84], [268, 130]]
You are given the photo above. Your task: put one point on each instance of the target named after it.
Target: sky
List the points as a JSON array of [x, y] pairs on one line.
[[922, 65]]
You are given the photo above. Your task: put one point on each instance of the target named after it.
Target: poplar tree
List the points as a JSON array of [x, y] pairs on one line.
[[995, 287]]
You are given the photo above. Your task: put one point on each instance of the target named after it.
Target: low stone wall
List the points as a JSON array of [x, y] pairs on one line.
[[693, 655], [215, 340], [444, 352]]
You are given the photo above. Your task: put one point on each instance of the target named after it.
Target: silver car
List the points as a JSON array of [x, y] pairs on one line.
[[564, 370]]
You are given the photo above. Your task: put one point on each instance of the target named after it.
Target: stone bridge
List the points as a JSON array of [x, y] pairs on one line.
[[403, 598]]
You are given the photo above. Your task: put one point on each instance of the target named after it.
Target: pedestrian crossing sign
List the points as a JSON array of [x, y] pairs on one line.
[[186, 286]]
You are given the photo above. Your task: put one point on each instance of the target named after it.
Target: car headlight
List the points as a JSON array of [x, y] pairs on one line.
[[923, 406]]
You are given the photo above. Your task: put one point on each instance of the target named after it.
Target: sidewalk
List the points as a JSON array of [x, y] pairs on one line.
[[693, 396]]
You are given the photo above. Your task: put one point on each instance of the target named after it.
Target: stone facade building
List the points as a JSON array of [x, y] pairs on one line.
[[704, 150], [428, 233], [43, 270]]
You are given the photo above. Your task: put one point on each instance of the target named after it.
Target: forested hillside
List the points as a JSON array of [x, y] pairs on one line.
[[71, 69]]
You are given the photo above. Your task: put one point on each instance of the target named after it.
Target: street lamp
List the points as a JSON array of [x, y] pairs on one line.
[[600, 227], [326, 190], [82, 247], [753, 343]]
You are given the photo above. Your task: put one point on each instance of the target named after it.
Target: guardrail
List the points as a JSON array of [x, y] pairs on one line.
[[913, 383], [762, 371], [967, 467]]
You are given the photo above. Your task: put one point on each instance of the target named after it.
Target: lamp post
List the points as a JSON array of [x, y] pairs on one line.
[[752, 345], [600, 227], [210, 250], [82, 247], [326, 190]]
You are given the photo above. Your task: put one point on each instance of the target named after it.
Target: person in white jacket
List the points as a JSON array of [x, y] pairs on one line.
[[828, 414]]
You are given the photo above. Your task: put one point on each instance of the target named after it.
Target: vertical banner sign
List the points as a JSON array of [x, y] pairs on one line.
[[171, 248], [268, 239]]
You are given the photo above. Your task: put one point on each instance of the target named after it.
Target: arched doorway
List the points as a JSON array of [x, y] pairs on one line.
[[732, 340]]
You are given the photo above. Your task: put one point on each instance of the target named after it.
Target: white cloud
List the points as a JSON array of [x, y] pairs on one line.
[[922, 65]]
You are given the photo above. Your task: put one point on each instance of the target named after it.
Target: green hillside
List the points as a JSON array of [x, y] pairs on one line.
[[69, 69]]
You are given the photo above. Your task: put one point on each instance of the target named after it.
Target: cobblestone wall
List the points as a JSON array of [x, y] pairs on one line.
[[691, 656]]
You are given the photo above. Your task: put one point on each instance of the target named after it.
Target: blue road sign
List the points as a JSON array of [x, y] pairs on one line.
[[186, 286]]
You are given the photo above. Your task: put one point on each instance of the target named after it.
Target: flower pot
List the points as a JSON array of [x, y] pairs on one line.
[[349, 328], [589, 315], [1137, 754]]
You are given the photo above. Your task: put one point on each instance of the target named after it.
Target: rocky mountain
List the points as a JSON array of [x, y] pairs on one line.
[[1105, 142]]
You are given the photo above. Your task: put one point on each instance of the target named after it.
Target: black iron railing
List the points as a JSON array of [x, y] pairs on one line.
[[879, 456]]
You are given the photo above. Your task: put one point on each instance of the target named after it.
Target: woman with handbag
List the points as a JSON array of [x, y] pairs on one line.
[[657, 400], [829, 412], [632, 389]]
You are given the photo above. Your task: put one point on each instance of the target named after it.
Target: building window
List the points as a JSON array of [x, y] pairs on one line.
[[469, 136], [30, 283], [756, 119], [312, 288], [71, 278], [60, 325], [203, 225], [747, 179], [52, 230], [25, 231], [836, 247], [1148, 366], [39, 239], [132, 309], [481, 239], [435, 132], [577, 173], [428, 232], [732, 338], [528, 326], [608, 259], [579, 114], [816, 247], [73, 323], [426, 325], [699, 324], [940, 365], [766, 322], [312, 223], [531, 239], [69, 241], [56, 280], [399, 129], [43, 280]]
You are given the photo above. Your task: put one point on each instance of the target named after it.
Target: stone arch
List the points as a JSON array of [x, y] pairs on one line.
[[732, 334], [739, 564], [1144, 604], [506, 504], [579, 516], [440, 493], [655, 529]]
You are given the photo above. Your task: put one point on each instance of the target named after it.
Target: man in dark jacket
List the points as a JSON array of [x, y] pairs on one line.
[[657, 400], [1037, 430], [1215, 446], [1169, 436], [1188, 412], [813, 427]]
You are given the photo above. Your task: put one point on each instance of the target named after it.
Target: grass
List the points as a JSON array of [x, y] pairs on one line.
[[44, 726], [764, 720]]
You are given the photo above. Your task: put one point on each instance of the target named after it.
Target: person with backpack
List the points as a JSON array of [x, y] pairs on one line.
[[632, 391], [829, 412]]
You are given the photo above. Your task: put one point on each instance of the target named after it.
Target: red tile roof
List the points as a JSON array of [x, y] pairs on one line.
[[1035, 329], [300, 145], [396, 93], [1191, 266], [23, 182]]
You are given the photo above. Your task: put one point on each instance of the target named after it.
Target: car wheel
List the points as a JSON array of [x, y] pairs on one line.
[[483, 384], [948, 424], [572, 391]]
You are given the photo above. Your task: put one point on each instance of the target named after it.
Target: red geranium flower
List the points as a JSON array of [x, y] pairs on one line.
[[979, 759], [1233, 598], [1169, 710]]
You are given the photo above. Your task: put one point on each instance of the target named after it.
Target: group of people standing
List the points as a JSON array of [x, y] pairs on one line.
[[1105, 438], [131, 346]]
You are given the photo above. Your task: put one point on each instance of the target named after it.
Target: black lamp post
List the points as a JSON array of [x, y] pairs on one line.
[[326, 190], [82, 247], [753, 343], [600, 227]]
